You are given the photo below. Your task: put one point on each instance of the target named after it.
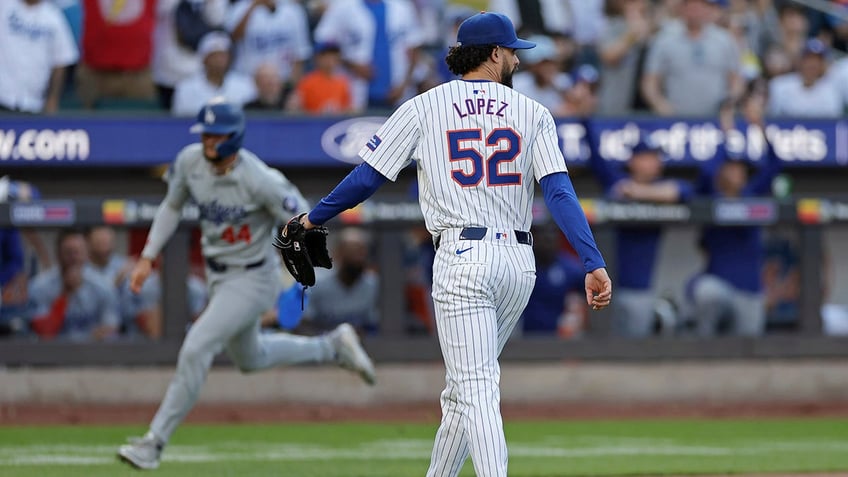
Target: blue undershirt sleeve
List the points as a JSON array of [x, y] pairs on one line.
[[568, 215], [359, 185]]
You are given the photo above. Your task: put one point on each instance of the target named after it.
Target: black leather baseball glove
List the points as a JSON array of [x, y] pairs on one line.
[[302, 250]]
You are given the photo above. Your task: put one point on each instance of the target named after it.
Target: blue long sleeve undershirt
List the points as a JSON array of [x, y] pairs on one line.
[[560, 197], [568, 215], [359, 185]]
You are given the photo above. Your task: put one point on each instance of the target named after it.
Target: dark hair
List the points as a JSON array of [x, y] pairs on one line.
[[613, 8], [89, 230], [789, 7], [67, 232], [463, 59]]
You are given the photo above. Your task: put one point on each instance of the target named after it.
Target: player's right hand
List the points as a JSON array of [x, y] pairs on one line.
[[598, 289], [140, 273]]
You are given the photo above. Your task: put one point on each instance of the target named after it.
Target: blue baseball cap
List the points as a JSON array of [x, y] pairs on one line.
[[586, 74], [327, 46], [490, 28], [645, 144], [814, 46]]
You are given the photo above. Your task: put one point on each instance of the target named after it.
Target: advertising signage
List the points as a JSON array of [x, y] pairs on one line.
[[334, 141]]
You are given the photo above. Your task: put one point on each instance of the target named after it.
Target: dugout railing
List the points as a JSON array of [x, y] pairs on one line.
[[388, 221]]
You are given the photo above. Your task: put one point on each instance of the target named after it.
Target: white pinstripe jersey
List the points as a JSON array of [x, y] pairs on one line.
[[238, 210], [478, 146]]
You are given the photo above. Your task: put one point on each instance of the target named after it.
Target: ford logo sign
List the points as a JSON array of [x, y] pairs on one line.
[[343, 140]]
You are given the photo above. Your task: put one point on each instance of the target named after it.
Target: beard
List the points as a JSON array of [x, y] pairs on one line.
[[213, 159], [506, 75]]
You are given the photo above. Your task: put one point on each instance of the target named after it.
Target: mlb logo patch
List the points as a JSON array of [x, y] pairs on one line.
[[374, 142], [501, 236]]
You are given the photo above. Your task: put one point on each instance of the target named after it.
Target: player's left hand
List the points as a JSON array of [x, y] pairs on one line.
[[304, 221], [303, 248], [598, 289]]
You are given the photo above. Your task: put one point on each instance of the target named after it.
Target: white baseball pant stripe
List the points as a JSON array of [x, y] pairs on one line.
[[231, 320], [478, 296]]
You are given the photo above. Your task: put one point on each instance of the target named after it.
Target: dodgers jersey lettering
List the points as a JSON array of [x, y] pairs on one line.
[[475, 164], [239, 210]]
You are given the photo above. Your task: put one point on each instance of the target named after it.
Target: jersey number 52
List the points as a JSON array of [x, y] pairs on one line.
[[494, 177]]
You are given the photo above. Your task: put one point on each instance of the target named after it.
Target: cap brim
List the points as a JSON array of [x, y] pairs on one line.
[[520, 44]]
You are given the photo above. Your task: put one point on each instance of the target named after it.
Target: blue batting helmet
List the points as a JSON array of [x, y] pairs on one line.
[[221, 117]]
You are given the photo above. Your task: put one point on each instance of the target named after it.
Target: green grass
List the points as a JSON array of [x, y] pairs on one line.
[[583, 448]]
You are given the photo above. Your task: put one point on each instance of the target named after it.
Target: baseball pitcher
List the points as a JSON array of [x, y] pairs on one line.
[[478, 146]]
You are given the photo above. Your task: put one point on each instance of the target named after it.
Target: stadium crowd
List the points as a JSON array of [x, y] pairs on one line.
[[78, 289], [613, 57], [702, 58]]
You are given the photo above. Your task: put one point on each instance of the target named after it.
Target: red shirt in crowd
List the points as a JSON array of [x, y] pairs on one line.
[[118, 34]]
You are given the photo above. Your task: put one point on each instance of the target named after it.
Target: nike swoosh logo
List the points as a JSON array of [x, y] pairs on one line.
[[460, 252]]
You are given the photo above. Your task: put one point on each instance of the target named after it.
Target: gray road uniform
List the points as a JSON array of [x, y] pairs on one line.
[[239, 211]]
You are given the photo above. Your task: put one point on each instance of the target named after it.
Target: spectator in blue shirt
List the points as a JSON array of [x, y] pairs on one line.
[[557, 276], [636, 246], [349, 292], [71, 300], [728, 294]]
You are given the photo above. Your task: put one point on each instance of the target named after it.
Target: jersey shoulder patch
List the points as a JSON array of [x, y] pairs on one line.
[[373, 142]]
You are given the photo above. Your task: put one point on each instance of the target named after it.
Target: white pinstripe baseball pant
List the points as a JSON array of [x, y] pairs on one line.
[[480, 288]]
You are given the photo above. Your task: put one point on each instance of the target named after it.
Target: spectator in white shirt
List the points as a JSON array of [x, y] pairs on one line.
[[379, 41], [270, 90], [542, 79], [215, 80], [838, 75], [36, 45], [270, 31], [172, 60], [809, 92]]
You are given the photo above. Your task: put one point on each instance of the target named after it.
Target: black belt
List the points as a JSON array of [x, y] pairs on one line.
[[477, 233], [219, 267]]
